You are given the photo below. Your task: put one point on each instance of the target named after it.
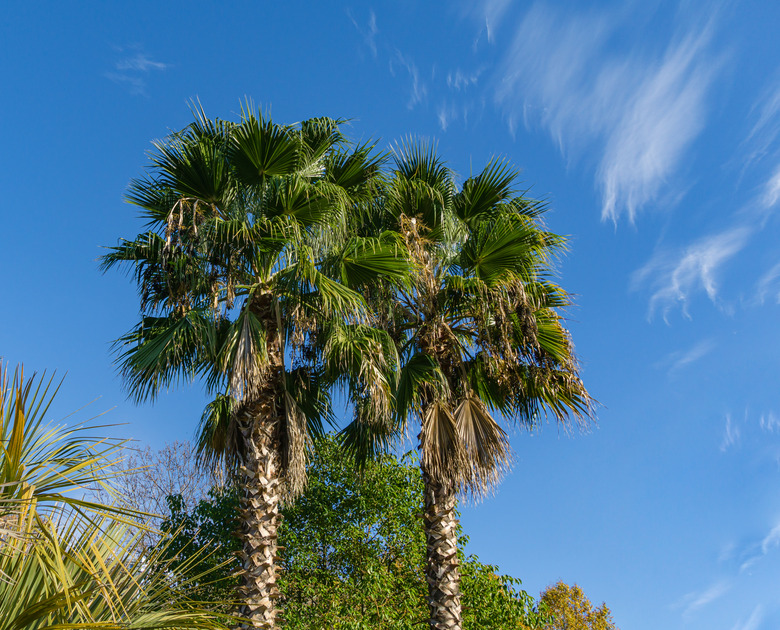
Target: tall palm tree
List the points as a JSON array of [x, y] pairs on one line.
[[244, 278], [478, 336]]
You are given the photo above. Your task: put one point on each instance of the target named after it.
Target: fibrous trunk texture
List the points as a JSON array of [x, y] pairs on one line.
[[260, 522], [260, 472], [442, 568]]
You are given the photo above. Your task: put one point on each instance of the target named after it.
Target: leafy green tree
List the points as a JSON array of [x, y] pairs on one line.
[[568, 608], [354, 551], [478, 336], [66, 561], [244, 279]]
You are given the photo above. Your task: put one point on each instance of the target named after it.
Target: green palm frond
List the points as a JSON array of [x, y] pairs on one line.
[[481, 196], [356, 170], [261, 149], [363, 260], [320, 136], [162, 351], [72, 573], [420, 375]]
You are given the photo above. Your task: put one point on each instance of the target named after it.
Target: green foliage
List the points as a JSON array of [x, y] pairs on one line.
[[353, 551]]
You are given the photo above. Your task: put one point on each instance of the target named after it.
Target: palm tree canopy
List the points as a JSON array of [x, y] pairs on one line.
[[478, 328], [249, 237]]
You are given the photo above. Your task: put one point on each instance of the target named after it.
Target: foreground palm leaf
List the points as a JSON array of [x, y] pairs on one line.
[[65, 561], [244, 275], [477, 335]]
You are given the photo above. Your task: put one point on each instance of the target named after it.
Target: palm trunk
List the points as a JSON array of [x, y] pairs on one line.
[[442, 568], [260, 472], [260, 521]]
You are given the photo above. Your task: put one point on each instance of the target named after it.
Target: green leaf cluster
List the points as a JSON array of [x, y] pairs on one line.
[[353, 551]]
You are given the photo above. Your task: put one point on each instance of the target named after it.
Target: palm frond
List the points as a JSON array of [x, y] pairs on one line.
[[161, 351], [261, 149], [480, 196]]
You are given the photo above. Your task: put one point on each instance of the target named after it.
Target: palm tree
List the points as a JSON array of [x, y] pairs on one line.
[[244, 277], [477, 334], [67, 561]]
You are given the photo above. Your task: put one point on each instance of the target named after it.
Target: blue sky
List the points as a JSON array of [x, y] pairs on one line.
[[652, 129]]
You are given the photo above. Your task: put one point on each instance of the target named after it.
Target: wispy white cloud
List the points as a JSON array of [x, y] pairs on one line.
[[140, 62], [769, 422], [641, 113], [768, 284], [675, 361], [772, 190], [771, 540], [132, 69], [757, 549], [419, 90], [731, 434], [368, 32], [765, 132], [490, 13], [460, 80], [752, 622], [675, 276], [697, 600]]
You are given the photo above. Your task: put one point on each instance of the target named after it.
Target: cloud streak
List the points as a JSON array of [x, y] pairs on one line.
[[675, 276], [731, 435], [696, 601], [368, 33], [752, 622], [419, 90], [132, 70], [641, 113], [678, 360]]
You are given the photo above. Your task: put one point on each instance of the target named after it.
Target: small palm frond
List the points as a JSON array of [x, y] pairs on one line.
[[508, 248], [320, 136], [417, 160], [194, 167], [304, 286], [161, 351], [73, 573], [154, 199], [356, 170], [420, 374], [366, 440], [480, 196], [363, 359], [43, 465], [261, 149], [365, 260]]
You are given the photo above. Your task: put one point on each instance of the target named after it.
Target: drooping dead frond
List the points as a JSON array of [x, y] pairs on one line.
[[295, 445], [485, 443], [249, 359], [442, 454]]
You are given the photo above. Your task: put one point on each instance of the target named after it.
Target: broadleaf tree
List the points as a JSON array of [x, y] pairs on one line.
[[354, 551]]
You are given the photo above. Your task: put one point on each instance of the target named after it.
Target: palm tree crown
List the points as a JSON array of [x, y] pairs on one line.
[[478, 336], [244, 281]]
